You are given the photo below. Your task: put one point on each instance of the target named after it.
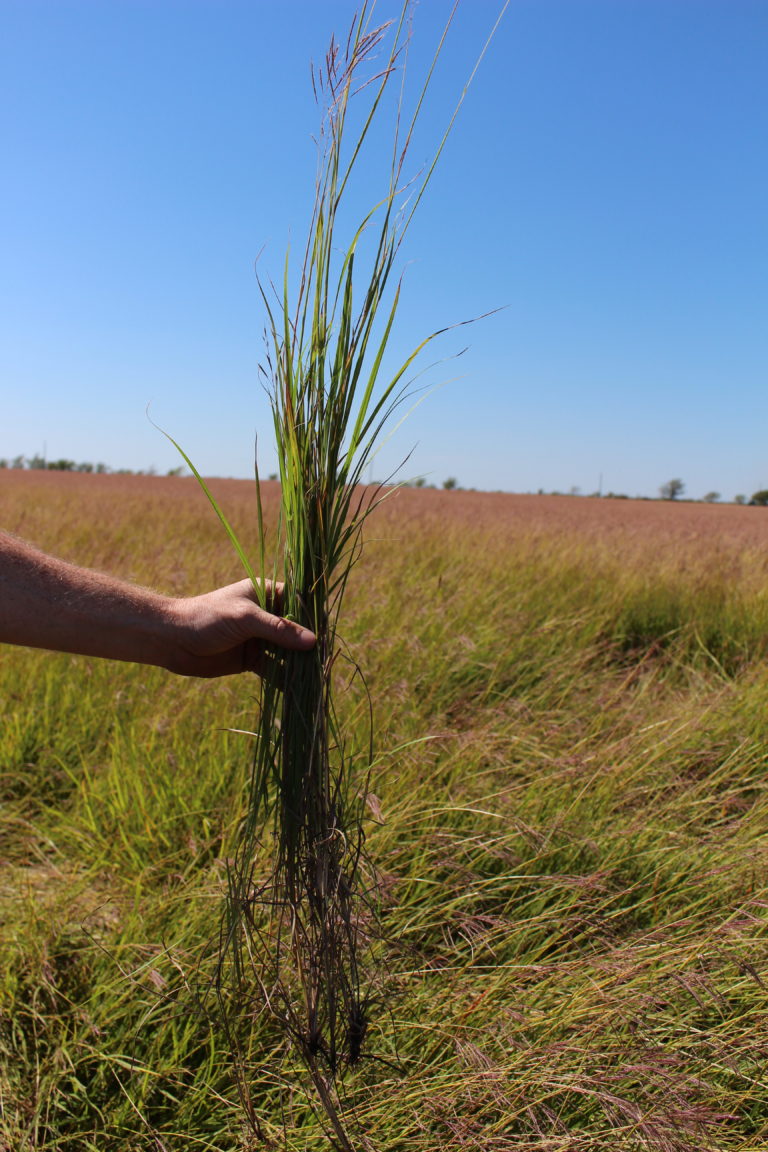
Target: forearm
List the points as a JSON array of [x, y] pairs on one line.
[[47, 603]]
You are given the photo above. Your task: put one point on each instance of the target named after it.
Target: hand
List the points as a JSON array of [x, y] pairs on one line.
[[227, 631], [48, 603]]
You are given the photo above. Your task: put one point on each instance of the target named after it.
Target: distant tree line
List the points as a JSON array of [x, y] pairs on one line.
[[674, 488], [63, 465], [39, 462], [671, 490]]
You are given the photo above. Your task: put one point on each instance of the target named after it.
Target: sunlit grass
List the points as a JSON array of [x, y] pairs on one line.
[[573, 865]]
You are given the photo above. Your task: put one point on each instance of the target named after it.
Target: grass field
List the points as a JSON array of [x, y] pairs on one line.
[[573, 864]]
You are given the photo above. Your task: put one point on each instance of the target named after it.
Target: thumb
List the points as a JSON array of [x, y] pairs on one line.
[[280, 631]]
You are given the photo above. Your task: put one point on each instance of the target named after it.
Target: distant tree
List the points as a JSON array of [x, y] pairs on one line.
[[711, 498], [3, 463], [740, 499], [178, 471], [60, 465], [17, 462], [760, 498], [36, 461], [102, 469], [672, 489], [419, 482], [450, 483], [84, 467], [574, 490]]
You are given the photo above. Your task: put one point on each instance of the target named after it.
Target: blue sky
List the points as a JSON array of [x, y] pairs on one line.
[[606, 183]]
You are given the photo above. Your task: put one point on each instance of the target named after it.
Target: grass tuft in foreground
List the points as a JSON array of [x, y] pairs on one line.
[[301, 934]]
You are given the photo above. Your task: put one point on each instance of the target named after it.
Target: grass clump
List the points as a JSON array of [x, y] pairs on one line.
[[301, 933]]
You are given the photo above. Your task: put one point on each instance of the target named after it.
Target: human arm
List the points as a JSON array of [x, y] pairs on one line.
[[48, 603]]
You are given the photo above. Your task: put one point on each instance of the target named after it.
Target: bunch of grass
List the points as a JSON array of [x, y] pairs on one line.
[[297, 934]]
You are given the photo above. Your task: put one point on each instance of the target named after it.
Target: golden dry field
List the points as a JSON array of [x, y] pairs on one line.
[[568, 819], [65, 512]]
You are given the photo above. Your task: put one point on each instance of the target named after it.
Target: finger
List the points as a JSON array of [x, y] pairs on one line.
[[263, 663], [284, 633], [273, 594], [267, 624]]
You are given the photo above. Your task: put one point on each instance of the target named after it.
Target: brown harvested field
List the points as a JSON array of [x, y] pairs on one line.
[[423, 547], [569, 699], [46, 506], [161, 531]]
